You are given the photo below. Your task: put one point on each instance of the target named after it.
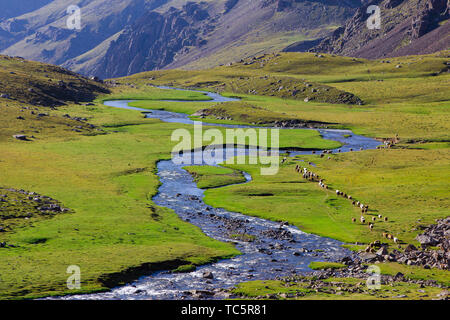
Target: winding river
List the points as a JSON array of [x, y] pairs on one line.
[[272, 250]]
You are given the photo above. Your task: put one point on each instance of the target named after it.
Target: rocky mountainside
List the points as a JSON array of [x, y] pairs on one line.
[[153, 41], [407, 27], [119, 37], [43, 34], [122, 37]]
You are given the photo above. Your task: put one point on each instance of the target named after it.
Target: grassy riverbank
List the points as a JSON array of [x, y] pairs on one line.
[[107, 181], [408, 183], [410, 100], [106, 175], [333, 289], [208, 177], [391, 182]]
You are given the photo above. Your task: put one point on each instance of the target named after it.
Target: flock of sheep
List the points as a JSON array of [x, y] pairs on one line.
[[311, 176]]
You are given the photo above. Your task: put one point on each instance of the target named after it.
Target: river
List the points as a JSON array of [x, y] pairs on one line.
[[272, 250]]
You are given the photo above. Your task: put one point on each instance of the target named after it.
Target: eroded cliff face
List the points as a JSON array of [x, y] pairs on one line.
[[43, 35], [407, 27], [211, 33], [154, 39]]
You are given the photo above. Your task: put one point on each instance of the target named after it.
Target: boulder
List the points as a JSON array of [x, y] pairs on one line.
[[410, 248], [20, 137], [382, 251], [425, 240], [368, 257]]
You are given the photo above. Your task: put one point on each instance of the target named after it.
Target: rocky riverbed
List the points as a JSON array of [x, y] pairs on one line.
[[270, 250], [434, 251]]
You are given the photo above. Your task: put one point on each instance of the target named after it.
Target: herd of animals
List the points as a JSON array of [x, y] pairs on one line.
[[311, 176]]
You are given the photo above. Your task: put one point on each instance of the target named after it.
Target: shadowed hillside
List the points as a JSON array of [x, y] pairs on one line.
[[31, 91]]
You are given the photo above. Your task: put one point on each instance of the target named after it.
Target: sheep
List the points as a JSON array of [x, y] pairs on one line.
[[353, 220], [349, 197], [386, 219], [362, 220], [371, 227], [337, 192], [374, 219], [380, 216], [354, 202], [384, 235], [396, 240], [390, 236]]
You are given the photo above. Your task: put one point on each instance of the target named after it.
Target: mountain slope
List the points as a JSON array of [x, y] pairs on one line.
[[43, 35], [141, 35], [256, 27], [30, 94], [407, 27], [39, 84]]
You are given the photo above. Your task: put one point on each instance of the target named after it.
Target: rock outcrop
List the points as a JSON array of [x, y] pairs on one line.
[[433, 253], [407, 27], [153, 41]]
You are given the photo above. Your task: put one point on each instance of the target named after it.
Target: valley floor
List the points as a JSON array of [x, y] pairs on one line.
[[106, 180]]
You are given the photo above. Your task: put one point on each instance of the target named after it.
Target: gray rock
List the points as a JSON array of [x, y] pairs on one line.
[[20, 137], [425, 240], [367, 256], [410, 248], [382, 251]]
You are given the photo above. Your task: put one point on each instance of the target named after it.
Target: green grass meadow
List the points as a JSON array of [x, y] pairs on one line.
[[107, 177]]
